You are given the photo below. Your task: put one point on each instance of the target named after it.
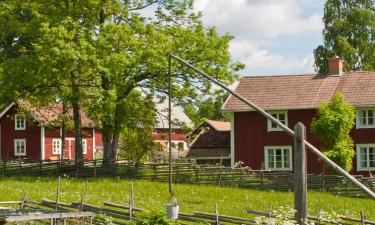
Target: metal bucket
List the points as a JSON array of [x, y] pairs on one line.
[[172, 211]]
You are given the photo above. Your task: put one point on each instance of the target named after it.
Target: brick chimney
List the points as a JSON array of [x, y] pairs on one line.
[[335, 66]]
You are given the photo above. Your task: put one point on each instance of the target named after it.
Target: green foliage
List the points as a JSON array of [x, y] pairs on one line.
[[153, 218], [349, 32], [207, 109], [136, 135], [335, 121], [97, 52]]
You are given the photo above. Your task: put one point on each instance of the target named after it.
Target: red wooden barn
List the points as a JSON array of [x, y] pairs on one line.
[[295, 98], [28, 132]]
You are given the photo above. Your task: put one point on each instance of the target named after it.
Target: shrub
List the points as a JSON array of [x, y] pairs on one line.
[[152, 218]]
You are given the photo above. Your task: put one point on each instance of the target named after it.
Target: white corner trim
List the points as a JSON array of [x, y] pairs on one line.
[[6, 109], [42, 142], [232, 155], [93, 143]]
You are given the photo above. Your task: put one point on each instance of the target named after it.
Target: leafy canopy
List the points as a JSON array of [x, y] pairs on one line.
[[335, 121], [349, 32]]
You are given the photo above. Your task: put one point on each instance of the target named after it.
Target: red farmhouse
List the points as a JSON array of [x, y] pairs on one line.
[[295, 98], [28, 132]]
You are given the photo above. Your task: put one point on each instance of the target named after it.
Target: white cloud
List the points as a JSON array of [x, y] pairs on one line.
[[258, 60], [262, 18]]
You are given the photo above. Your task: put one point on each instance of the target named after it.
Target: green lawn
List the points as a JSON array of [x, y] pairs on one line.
[[153, 196]]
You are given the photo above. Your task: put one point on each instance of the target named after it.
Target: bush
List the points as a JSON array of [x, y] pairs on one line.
[[153, 218]]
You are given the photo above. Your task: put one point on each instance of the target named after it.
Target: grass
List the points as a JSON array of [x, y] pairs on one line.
[[154, 196]]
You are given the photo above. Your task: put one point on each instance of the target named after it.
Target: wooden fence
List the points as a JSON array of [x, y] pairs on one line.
[[123, 214], [185, 173]]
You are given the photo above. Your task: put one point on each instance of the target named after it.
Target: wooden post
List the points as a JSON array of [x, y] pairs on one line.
[[131, 201], [95, 168], [217, 215], [362, 218], [58, 193], [318, 217], [4, 168], [300, 174], [86, 190]]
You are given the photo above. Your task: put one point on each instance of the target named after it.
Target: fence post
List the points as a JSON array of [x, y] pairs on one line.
[[362, 218], [4, 167], [300, 177], [95, 168]]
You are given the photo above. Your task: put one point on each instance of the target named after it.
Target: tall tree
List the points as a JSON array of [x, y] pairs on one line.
[[95, 53], [349, 32]]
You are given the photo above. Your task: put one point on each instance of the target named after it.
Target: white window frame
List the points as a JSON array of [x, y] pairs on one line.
[[15, 147], [17, 117], [358, 116], [269, 122], [84, 146], [358, 161], [58, 152], [290, 168]]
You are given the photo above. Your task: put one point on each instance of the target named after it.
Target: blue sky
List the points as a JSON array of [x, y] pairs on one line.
[[271, 36]]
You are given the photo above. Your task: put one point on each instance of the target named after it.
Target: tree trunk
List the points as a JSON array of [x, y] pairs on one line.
[[63, 134], [107, 143], [77, 119], [115, 142]]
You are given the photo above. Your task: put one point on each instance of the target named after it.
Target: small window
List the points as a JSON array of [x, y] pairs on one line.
[[84, 146], [280, 115], [56, 146], [20, 147], [278, 157], [20, 122], [365, 157], [365, 118]]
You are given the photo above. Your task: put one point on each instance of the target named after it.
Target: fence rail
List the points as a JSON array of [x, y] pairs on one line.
[[186, 173], [123, 214]]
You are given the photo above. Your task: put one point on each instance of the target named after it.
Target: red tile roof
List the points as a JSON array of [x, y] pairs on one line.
[[219, 125], [48, 115], [303, 91]]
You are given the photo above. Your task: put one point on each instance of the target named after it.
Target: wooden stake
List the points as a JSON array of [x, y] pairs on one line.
[[131, 201], [58, 193], [300, 173], [86, 190], [217, 215], [362, 218]]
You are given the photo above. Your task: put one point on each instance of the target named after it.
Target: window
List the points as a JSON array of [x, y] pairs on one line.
[[278, 157], [84, 146], [365, 157], [20, 122], [56, 146], [19, 147], [280, 115], [365, 118]]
